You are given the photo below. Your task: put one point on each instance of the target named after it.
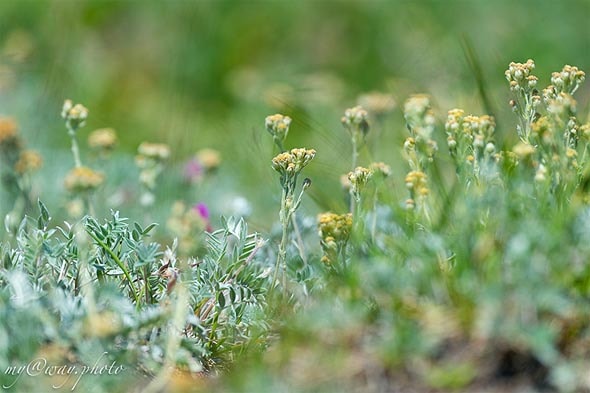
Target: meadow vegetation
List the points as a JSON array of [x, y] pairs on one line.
[[419, 246]]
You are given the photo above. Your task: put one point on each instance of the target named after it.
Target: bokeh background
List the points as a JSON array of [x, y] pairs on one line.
[[197, 74]]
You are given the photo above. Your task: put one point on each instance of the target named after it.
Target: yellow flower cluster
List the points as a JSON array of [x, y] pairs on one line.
[[278, 125], [359, 178], [154, 151], [380, 168], [28, 161], [292, 162], [454, 120], [520, 77], [523, 150], [210, 159], [334, 231], [470, 137], [563, 104], [8, 131], [419, 148], [543, 130], [417, 106], [568, 79], [357, 117], [75, 115], [83, 179], [337, 226], [417, 183], [103, 139]]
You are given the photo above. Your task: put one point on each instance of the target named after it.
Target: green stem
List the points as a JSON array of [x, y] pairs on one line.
[[147, 286], [119, 263], [355, 152], [354, 161], [282, 256], [75, 149]]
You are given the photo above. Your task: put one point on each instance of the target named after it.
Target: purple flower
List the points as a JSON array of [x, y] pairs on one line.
[[203, 211]]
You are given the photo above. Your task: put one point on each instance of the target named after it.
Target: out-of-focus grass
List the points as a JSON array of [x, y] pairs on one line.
[[204, 73]]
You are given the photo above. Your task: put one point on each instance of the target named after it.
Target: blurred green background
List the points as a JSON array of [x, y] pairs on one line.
[[198, 74]]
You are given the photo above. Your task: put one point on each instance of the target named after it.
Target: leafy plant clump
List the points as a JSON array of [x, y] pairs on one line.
[[468, 271]]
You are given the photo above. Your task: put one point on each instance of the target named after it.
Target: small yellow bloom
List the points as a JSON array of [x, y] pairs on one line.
[[102, 139], [8, 130], [294, 161], [417, 182], [523, 150], [154, 151], [209, 159], [82, 179], [380, 168], [28, 161], [570, 153]]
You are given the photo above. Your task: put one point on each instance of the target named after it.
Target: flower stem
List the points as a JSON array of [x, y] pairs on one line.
[[282, 256], [75, 149]]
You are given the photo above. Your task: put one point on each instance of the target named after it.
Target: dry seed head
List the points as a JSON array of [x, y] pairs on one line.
[[28, 161], [103, 139], [82, 179]]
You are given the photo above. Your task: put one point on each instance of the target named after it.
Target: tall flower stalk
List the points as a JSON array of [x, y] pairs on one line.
[[75, 117], [356, 123], [81, 181], [289, 165]]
